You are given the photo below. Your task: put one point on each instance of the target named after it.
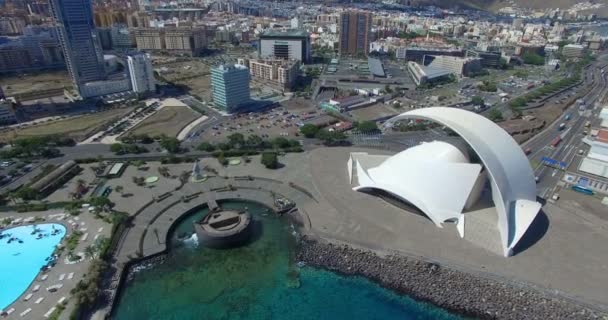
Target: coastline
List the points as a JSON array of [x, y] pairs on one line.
[[458, 292]]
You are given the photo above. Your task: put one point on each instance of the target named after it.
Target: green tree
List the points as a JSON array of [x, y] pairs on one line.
[[101, 203], [388, 89], [330, 137], [309, 130], [270, 160], [503, 64], [477, 100], [90, 251], [521, 73], [533, 59], [117, 148], [280, 142], [254, 141], [495, 115], [488, 86], [172, 145], [26, 193], [367, 126], [236, 140], [206, 146]]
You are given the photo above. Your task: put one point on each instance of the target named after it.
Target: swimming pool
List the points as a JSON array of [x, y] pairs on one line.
[[22, 258]]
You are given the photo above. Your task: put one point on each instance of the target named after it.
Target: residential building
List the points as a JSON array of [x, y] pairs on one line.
[[141, 73], [81, 47], [289, 45], [230, 86], [573, 51], [15, 59], [178, 40], [37, 48], [121, 37], [278, 73], [355, 31], [11, 25]]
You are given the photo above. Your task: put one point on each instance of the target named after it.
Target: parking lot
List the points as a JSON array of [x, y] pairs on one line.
[[281, 121]]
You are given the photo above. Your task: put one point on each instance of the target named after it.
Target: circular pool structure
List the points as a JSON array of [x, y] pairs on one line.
[[224, 228], [24, 251]]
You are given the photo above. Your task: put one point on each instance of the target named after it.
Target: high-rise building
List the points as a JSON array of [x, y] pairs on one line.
[[291, 44], [141, 73], [230, 84], [355, 30], [81, 47]]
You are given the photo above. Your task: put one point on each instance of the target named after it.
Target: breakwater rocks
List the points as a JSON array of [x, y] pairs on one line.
[[453, 290]]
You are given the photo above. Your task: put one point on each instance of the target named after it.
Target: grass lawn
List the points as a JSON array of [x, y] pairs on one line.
[[78, 127], [169, 121]]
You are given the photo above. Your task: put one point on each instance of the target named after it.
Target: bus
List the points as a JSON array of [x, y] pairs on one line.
[[583, 190]]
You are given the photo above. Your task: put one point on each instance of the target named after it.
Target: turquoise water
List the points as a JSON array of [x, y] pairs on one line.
[[21, 262], [257, 281]]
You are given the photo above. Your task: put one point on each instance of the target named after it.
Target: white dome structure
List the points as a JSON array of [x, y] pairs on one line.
[[438, 178]]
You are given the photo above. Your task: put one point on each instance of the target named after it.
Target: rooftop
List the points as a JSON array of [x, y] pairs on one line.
[[376, 68], [602, 136], [291, 33]]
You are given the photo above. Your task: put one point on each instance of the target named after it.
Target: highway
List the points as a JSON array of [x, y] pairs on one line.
[[571, 136]]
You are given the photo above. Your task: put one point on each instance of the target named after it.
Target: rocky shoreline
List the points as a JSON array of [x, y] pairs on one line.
[[456, 291]]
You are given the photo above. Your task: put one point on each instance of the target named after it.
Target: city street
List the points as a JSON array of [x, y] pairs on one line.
[[571, 137]]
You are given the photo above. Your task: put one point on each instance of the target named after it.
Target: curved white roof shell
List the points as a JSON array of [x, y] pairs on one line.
[[510, 174], [436, 177]]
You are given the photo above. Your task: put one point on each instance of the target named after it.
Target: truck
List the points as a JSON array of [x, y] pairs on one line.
[[556, 141], [561, 127]]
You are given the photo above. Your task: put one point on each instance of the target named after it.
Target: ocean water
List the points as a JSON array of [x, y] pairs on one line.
[[257, 281], [21, 262]]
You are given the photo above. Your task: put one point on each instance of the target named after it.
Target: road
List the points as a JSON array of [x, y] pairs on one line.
[[571, 136]]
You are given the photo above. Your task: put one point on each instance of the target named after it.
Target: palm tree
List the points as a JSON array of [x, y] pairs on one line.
[[119, 189], [90, 251]]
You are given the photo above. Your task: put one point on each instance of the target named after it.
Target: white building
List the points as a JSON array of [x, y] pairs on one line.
[[596, 161], [141, 73], [456, 65], [296, 23], [438, 179]]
